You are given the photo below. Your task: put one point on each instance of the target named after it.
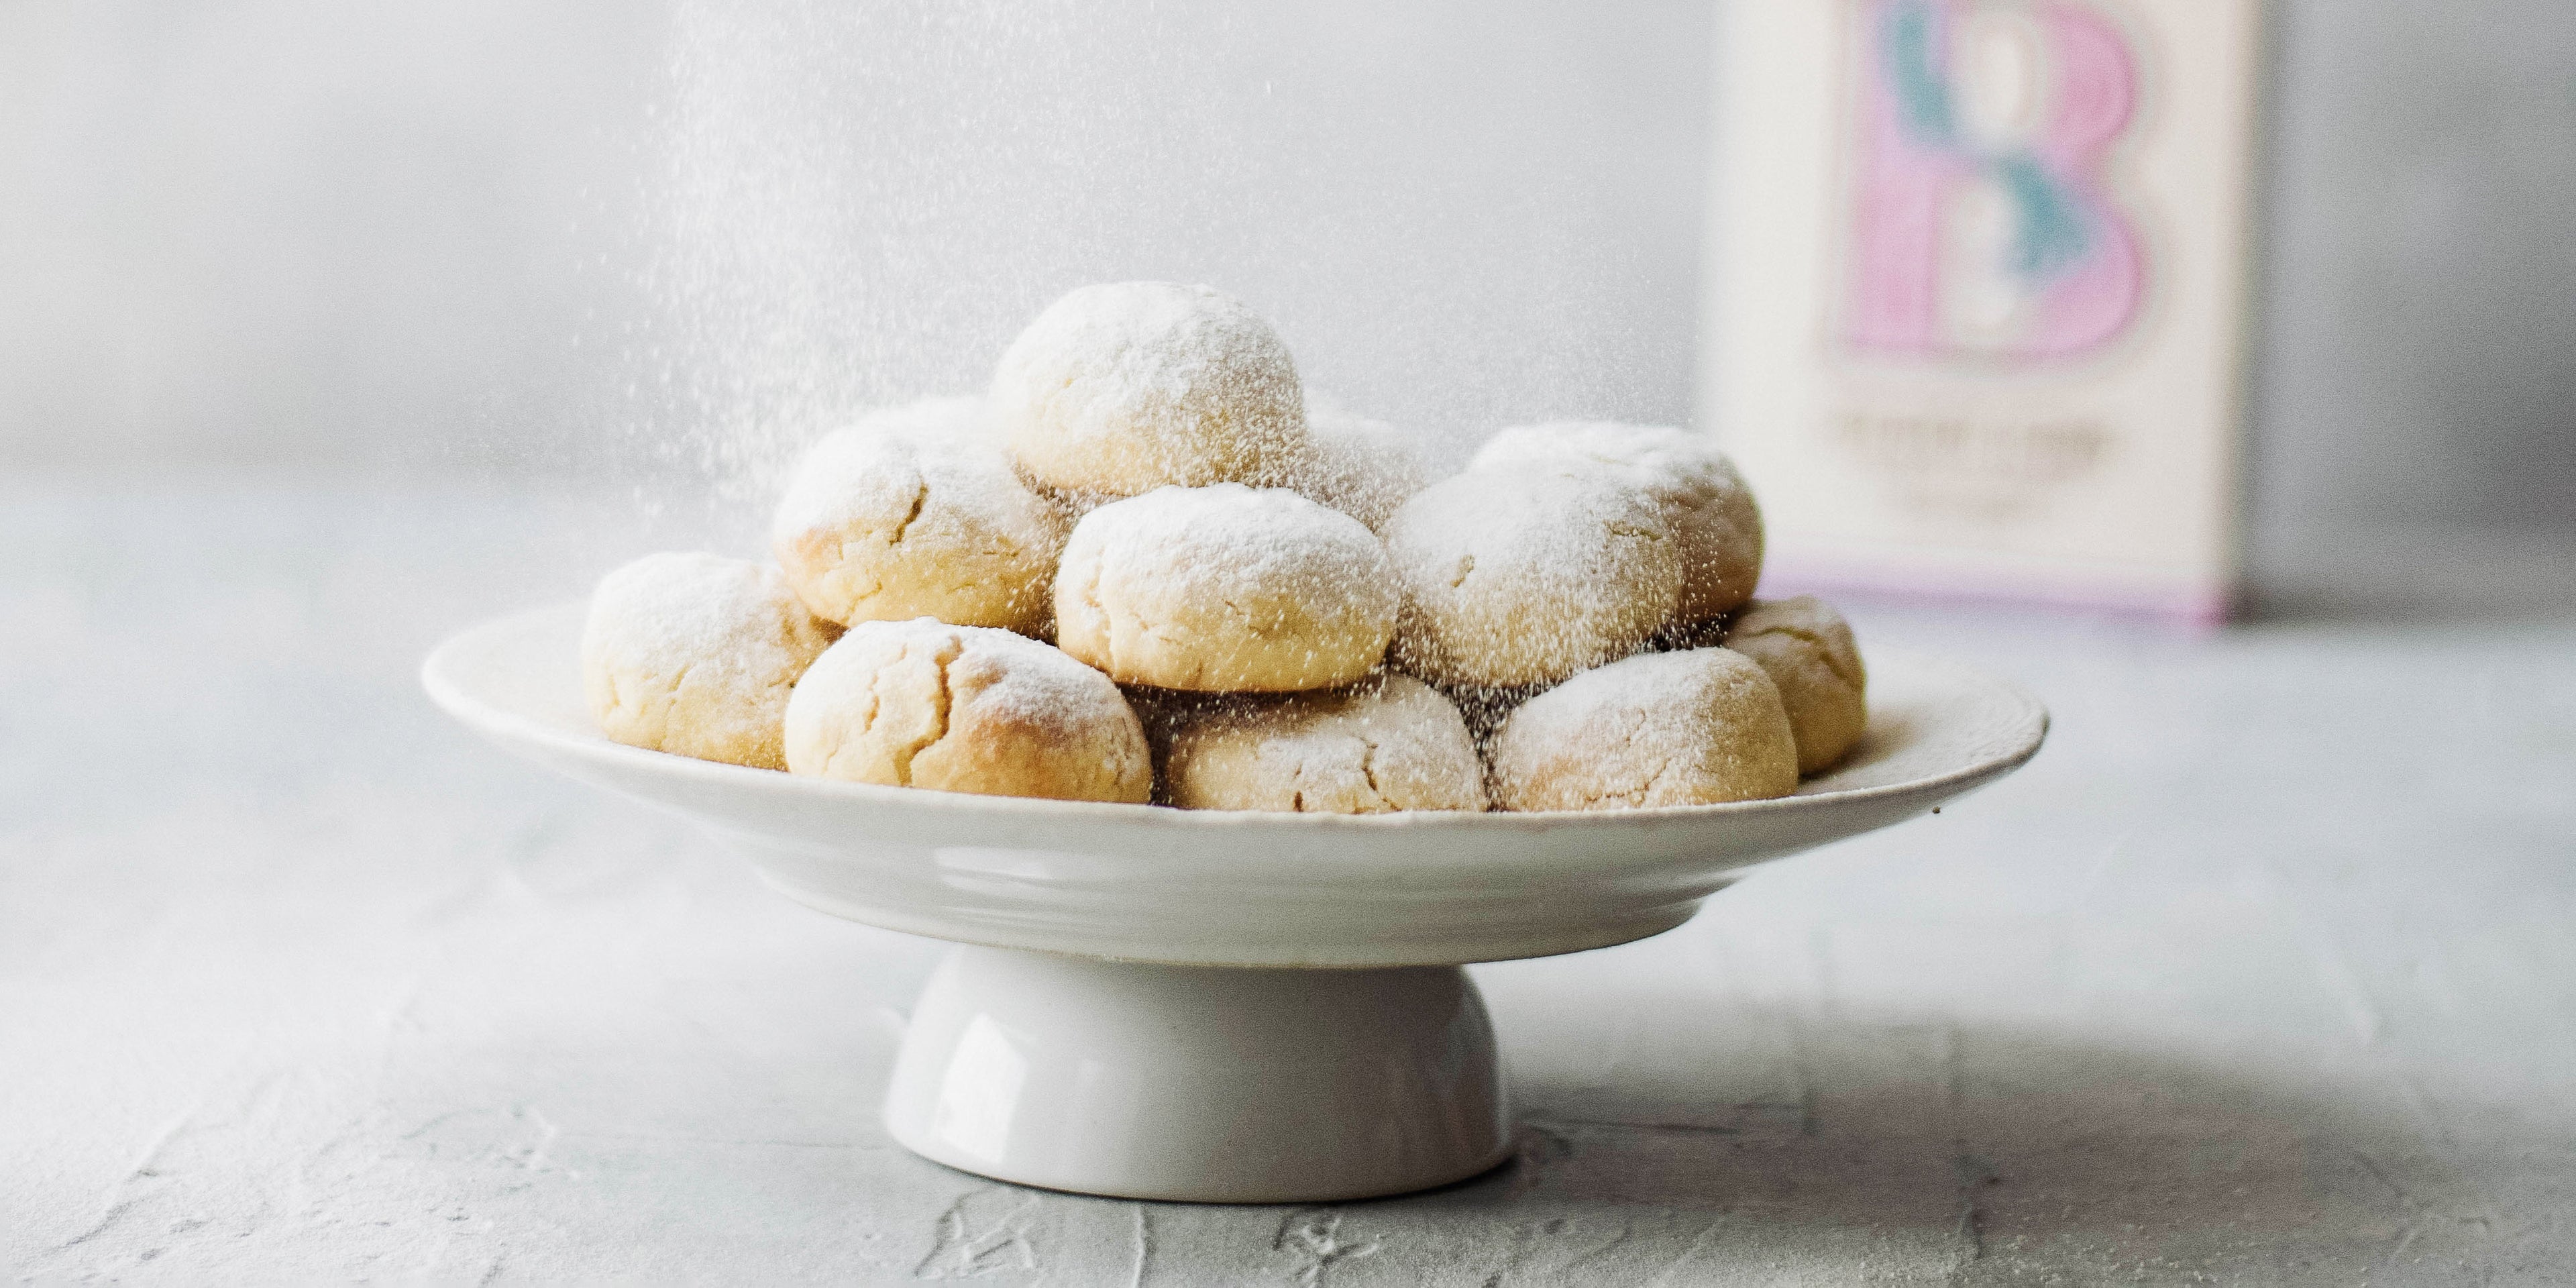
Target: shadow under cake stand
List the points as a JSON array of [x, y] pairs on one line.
[[1218, 1006]]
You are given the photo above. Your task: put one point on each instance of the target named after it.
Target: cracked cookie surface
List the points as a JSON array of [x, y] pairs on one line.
[[965, 709], [914, 512], [1389, 743]]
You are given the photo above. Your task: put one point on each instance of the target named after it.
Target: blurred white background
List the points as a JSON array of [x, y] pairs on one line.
[[568, 238]]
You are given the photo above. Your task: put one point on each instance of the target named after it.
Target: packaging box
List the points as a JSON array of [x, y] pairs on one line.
[[1979, 284]]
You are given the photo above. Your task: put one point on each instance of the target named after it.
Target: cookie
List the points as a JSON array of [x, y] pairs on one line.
[[1124, 387], [1809, 653], [915, 512], [694, 654], [1526, 574], [1715, 521], [1390, 743], [1225, 589], [1692, 728], [965, 709], [1361, 467]]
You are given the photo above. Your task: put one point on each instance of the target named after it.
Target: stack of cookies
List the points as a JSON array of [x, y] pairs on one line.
[[1144, 568]]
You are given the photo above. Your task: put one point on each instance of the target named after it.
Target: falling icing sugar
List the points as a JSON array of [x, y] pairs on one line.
[[862, 204], [1364, 468]]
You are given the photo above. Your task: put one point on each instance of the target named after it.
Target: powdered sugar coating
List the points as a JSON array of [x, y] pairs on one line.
[[1389, 743], [1691, 728], [914, 511], [1526, 574], [1808, 651], [694, 654], [1364, 468], [1713, 513], [1124, 387], [965, 709], [1225, 589]]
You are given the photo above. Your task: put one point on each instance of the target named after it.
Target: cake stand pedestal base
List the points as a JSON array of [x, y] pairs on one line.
[[1200, 1083]]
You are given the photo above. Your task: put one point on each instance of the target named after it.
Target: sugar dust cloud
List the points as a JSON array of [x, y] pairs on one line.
[[855, 205]]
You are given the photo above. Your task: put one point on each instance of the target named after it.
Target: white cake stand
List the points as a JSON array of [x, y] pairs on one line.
[[1229, 1007]]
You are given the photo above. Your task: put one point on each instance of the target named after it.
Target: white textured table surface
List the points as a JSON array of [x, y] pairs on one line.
[[2265, 971]]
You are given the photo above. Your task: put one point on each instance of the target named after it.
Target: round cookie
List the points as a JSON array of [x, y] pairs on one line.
[[1691, 728], [914, 512], [1527, 574], [1714, 517], [1224, 589], [694, 654], [1808, 650], [965, 709], [1124, 387], [1388, 744], [1361, 467]]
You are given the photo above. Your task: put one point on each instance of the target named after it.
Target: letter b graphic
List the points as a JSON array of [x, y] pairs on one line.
[[1983, 225]]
